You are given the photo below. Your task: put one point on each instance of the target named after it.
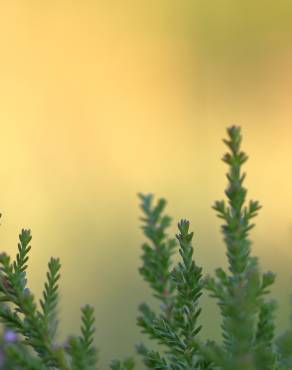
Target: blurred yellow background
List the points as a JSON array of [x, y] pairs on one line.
[[103, 99]]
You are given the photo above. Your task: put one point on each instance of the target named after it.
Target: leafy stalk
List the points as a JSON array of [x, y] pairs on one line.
[[50, 297], [157, 263], [240, 295], [83, 353], [176, 326]]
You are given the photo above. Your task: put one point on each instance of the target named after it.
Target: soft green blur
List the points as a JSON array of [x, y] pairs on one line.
[[104, 99]]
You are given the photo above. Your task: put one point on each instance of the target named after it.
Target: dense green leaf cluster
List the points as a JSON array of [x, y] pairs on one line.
[[248, 329], [37, 326]]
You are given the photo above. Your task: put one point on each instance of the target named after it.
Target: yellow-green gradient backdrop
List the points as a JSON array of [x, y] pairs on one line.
[[102, 99]]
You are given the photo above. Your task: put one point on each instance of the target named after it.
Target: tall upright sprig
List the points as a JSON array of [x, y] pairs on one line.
[[158, 251], [83, 353], [157, 265], [240, 294], [50, 297], [189, 284], [176, 326]]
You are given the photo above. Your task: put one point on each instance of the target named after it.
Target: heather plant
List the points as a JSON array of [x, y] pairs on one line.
[[248, 330]]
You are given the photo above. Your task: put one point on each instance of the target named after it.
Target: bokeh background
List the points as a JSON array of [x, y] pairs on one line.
[[100, 100]]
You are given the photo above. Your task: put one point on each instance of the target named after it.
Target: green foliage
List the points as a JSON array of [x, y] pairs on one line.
[[240, 295], [175, 327], [50, 297], [37, 327], [248, 329], [83, 354], [127, 364]]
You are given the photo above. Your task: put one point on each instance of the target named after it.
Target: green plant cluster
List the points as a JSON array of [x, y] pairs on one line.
[[248, 329]]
